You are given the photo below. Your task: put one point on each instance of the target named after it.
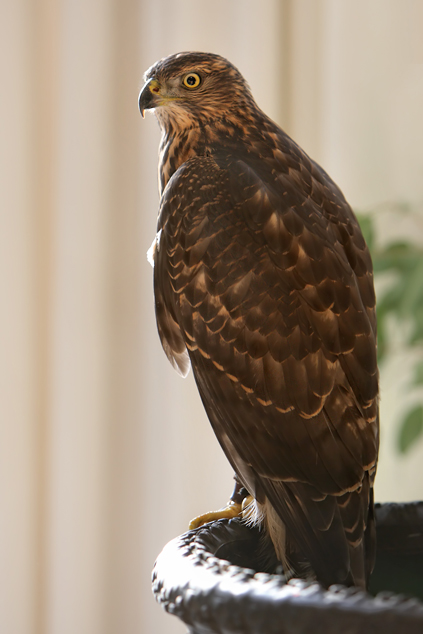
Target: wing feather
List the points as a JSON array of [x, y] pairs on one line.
[[263, 275]]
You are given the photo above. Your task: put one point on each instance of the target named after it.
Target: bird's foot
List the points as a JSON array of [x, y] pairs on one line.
[[231, 510]]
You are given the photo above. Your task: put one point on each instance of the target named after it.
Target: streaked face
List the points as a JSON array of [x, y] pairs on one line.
[[192, 85]]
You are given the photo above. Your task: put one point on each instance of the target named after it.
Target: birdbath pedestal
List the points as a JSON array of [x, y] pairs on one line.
[[210, 578]]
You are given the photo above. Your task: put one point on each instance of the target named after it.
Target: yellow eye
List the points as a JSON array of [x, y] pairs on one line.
[[192, 80]]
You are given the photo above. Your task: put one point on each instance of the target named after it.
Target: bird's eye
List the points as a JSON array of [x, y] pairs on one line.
[[192, 80]]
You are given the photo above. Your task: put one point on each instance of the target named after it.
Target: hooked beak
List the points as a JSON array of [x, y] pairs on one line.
[[149, 96]]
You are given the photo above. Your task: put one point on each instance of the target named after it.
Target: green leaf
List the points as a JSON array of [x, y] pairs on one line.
[[366, 226], [417, 334], [399, 247], [389, 304], [381, 340], [411, 429], [418, 374], [413, 291], [403, 261]]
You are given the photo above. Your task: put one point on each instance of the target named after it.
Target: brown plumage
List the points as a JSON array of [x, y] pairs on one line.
[[264, 283]]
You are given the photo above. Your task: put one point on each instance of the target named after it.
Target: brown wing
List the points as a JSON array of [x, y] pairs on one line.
[[270, 284]]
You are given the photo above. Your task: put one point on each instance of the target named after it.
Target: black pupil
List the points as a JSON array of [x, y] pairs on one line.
[[191, 80]]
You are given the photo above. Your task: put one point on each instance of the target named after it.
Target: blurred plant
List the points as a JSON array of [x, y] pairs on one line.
[[401, 300]]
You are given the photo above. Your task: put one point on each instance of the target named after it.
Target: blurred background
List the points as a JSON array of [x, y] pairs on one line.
[[105, 452]]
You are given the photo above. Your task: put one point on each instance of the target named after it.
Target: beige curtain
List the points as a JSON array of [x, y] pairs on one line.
[[105, 453]]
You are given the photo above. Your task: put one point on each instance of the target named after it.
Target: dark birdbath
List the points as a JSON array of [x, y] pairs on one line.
[[210, 579]]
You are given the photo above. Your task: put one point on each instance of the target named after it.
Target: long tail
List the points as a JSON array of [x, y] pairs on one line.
[[330, 538]]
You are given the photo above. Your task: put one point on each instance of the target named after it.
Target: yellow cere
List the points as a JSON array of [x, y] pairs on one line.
[[154, 86]]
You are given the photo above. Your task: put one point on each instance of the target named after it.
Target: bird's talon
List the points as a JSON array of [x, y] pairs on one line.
[[231, 510]]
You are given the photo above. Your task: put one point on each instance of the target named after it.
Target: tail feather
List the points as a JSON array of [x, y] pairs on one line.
[[319, 534]]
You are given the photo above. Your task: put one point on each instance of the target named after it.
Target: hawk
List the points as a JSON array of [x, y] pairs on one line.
[[264, 286]]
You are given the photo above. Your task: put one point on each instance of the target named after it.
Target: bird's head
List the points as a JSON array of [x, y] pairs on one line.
[[189, 88]]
